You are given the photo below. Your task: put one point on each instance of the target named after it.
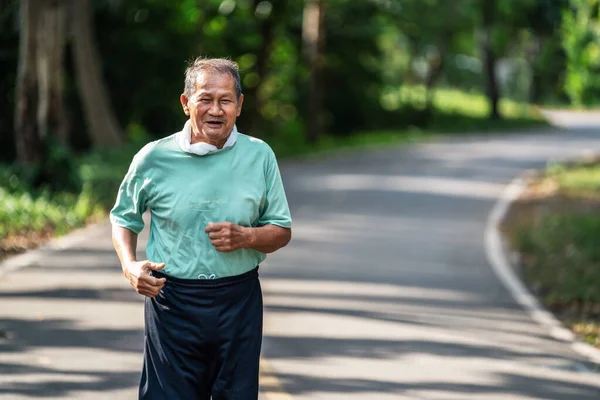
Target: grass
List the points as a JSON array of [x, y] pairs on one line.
[[555, 227], [583, 180], [460, 111], [30, 217], [456, 113], [335, 144]]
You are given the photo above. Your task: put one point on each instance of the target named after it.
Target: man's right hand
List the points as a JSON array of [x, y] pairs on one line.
[[138, 274]]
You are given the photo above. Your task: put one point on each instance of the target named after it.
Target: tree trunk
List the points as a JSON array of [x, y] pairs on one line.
[[435, 72], [267, 33], [314, 43], [50, 52], [101, 121], [27, 139], [531, 56], [489, 58]]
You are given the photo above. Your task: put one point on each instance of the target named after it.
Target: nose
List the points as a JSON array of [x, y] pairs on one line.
[[215, 108]]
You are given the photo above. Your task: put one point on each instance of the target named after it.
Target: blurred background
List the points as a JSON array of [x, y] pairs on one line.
[[84, 75], [84, 84]]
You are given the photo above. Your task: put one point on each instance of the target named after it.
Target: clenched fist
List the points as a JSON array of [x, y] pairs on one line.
[[138, 274], [227, 236]]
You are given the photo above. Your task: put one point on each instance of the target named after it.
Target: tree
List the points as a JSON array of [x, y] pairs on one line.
[[9, 57], [101, 121], [545, 53], [431, 37], [27, 137], [267, 16], [581, 37], [50, 55], [314, 40], [488, 10], [40, 108]]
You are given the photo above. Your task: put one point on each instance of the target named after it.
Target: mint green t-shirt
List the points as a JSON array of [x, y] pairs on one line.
[[185, 191]]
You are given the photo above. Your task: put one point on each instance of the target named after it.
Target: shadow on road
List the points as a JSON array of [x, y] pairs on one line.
[[386, 290], [68, 383], [66, 293], [507, 384], [72, 327]]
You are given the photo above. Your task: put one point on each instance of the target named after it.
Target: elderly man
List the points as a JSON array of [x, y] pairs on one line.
[[217, 205]]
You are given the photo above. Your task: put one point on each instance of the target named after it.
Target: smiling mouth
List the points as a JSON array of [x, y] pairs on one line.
[[215, 124]]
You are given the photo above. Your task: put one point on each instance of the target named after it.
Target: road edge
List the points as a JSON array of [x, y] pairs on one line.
[[496, 253], [32, 256]]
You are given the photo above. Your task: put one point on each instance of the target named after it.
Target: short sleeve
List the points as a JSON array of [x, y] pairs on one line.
[[275, 209], [132, 198]]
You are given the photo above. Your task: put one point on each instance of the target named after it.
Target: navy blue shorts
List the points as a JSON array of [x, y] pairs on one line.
[[203, 339]]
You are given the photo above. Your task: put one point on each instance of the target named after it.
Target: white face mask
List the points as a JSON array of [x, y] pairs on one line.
[[184, 140]]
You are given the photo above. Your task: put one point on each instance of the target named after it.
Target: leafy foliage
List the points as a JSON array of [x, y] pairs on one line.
[[581, 41], [26, 209], [371, 46]]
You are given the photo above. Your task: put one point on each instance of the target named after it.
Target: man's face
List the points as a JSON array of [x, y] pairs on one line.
[[213, 108]]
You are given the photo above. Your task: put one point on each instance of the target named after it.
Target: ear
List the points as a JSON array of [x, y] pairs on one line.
[[239, 105], [184, 103]]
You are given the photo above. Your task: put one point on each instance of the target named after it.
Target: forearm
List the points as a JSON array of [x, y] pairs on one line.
[[268, 238], [125, 244]]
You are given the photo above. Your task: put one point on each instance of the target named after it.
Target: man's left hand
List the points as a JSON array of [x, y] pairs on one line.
[[227, 236]]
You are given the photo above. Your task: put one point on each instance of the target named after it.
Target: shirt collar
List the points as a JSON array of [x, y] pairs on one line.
[[184, 140]]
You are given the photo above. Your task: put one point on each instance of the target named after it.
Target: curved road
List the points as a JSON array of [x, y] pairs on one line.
[[384, 293]]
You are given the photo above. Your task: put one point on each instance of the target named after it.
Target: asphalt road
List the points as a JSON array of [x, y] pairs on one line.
[[384, 293]]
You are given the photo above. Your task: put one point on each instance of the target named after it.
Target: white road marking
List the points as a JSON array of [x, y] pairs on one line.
[[497, 258]]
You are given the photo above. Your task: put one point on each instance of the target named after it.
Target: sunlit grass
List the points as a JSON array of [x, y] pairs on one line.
[[29, 216], [558, 241], [456, 101], [39, 214], [588, 331], [584, 179], [455, 112], [358, 140]]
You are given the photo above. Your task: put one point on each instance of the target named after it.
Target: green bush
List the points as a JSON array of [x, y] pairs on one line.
[[564, 258], [23, 212], [581, 42], [26, 208], [56, 171]]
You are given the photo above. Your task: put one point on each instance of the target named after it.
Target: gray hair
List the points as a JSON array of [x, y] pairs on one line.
[[211, 65]]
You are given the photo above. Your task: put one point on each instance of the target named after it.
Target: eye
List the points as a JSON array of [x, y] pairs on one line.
[[205, 100], [225, 101]]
